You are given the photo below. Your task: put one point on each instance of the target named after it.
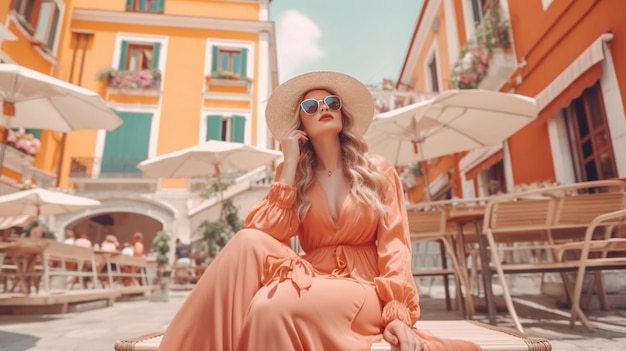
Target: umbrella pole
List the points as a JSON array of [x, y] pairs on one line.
[[221, 191], [3, 146], [8, 110], [423, 168]]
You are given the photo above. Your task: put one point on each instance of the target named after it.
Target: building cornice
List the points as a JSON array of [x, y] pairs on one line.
[[163, 20], [423, 26]]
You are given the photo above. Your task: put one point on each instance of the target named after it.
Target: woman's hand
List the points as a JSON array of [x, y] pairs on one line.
[[399, 334], [291, 143]]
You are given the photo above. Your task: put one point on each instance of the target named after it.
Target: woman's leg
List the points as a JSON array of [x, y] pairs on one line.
[[332, 314], [212, 316]]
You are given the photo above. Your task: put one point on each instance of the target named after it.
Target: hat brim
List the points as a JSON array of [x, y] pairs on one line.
[[283, 103]]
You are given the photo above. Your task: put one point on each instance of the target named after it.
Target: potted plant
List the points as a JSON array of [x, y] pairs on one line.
[[120, 79], [473, 63], [161, 246], [47, 232], [24, 142]]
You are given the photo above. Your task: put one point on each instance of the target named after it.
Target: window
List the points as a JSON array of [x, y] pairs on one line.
[[480, 7], [139, 56], [40, 18], [225, 128], [145, 5], [127, 145], [229, 61], [433, 74], [590, 137]]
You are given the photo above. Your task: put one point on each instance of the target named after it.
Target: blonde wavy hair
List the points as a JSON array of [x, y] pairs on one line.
[[367, 182]]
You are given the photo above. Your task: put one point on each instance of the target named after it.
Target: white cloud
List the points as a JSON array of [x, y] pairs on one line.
[[297, 40]]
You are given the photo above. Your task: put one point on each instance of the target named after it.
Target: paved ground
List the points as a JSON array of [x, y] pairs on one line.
[[96, 329]]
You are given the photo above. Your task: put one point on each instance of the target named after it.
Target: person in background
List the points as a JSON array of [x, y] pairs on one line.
[[138, 247], [36, 232], [110, 244], [182, 262], [69, 237], [182, 255], [128, 250], [83, 241]]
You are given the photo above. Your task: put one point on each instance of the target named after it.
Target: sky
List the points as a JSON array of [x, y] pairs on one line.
[[367, 39]]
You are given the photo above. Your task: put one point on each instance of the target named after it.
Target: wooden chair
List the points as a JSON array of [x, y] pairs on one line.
[[610, 253], [541, 223], [431, 226]]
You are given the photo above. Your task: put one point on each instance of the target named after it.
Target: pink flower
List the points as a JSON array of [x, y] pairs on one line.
[[11, 138]]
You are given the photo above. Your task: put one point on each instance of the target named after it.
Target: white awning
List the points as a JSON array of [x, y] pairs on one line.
[[592, 55]]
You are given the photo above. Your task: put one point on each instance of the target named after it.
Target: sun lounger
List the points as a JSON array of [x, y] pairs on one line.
[[488, 337]]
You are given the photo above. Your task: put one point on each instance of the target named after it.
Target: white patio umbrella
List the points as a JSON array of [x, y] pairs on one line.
[[208, 158], [31, 99], [212, 157], [42, 202], [453, 121]]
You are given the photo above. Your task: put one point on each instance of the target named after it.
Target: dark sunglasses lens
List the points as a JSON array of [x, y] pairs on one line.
[[309, 106], [333, 102]]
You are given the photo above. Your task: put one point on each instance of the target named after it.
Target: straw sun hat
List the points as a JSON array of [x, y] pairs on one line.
[[285, 100]]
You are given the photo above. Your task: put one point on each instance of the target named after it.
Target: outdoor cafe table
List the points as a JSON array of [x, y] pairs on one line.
[[23, 255], [462, 215], [462, 212]]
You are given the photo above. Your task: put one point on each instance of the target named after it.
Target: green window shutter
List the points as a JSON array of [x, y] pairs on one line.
[[35, 132], [216, 51], [142, 5], [157, 6], [214, 127], [127, 145], [129, 5], [238, 128], [244, 63], [123, 53], [156, 49]]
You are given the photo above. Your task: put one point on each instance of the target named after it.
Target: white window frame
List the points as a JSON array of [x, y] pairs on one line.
[[60, 5], [227, 115]]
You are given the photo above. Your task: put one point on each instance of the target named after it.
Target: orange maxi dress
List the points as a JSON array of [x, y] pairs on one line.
[[258, 294]]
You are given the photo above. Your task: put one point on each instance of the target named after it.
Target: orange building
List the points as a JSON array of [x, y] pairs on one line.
[[176, 72], [566, 54]]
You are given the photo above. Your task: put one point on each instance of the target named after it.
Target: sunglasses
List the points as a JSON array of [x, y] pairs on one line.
[[311, 106]]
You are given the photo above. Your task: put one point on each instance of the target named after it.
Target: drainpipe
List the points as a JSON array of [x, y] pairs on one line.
[[78, 37]]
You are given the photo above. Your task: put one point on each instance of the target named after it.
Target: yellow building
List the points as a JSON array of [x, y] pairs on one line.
[[177, 72]]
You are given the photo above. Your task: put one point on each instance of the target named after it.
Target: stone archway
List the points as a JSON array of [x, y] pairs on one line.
[[121, 217], [122, 225]]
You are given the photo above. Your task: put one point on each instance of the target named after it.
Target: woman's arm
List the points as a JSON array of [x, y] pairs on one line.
[[395, 284], [276, 214]]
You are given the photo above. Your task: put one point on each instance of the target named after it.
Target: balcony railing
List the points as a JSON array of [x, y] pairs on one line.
[[98, 167], [227, 82], [110, 174], [131, 81], [485, 54]]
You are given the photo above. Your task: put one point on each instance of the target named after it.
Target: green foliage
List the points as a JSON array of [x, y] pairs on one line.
[[473, 62], [215, 187], [47, 232], [415, 168], [216, 234], [161, 245]]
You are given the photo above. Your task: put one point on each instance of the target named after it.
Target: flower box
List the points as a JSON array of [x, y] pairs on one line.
[[119, 79], [26, 143], [491, 40]]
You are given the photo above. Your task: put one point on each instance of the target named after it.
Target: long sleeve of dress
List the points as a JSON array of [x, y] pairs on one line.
[[276, 214], [395, 285]]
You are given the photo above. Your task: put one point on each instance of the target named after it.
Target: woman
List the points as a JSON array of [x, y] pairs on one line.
[[353, 284]]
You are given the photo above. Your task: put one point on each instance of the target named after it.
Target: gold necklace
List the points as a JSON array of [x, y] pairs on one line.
[[329, 173]]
